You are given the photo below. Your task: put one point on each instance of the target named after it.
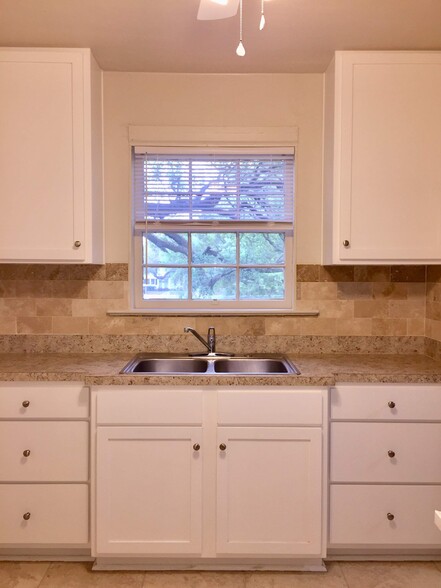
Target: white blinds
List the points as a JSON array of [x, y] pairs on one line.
[[213, 188]]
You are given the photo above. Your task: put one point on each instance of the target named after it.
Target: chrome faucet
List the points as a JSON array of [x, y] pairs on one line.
[[210, 343]]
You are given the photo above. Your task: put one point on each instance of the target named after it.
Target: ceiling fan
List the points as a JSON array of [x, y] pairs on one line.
[[216, 9]]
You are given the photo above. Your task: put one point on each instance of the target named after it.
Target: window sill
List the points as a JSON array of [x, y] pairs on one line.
[[162, 312]]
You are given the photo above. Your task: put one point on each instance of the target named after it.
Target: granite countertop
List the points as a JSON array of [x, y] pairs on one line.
[[316, 370]]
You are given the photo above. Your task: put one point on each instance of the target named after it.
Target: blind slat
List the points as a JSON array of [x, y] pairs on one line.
[[169, 187]]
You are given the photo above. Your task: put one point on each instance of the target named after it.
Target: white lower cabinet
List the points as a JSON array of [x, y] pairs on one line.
[[44, 466], [206, 490], [149, 490], [385, 467], [269, 490]]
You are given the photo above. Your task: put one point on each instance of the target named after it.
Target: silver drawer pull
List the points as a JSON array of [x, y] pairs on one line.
[[391, 453], [27, 516], [27, 452], [390, 516], [25, 403]]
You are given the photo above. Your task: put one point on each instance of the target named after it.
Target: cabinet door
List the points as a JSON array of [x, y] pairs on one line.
[[387, 177], [269, 491], [41, 155], [149, 490]]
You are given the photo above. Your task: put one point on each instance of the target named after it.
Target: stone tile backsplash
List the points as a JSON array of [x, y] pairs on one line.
[[353, 301]]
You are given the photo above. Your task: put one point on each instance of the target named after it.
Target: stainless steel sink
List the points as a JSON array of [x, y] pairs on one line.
[[251, 365], [208, 365]]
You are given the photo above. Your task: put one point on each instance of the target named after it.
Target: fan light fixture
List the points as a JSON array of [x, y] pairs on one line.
[[216, 9]]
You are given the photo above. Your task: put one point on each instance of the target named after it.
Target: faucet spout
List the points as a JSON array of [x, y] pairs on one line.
[[210, 344]]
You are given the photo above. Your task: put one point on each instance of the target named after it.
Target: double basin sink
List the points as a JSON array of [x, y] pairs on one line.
[[209, 365]]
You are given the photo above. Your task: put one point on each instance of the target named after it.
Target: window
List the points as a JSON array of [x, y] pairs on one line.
[[213, 230]]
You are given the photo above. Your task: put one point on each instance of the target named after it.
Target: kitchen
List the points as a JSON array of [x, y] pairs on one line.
[[68, 318]]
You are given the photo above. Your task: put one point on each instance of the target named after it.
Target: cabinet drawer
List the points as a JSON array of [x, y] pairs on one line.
[[359, 452], [132, 405], [358, 515], [409, 402], [43, 400], [58, 451], [58, 514], [269, 408]]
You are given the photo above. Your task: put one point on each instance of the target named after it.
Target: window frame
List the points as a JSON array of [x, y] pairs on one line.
[[232, 143]]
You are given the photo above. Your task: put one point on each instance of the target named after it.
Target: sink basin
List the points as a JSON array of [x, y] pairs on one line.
[[171, 365], [184, 365], [251, 365]]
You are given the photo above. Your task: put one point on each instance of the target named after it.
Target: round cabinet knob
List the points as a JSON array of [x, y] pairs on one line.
[[25, 403], [196, 446], [391, 404], [27, 452], [77, 244], [391, 453], [345, 243], [390, 516], [222, 446], [27, 516]]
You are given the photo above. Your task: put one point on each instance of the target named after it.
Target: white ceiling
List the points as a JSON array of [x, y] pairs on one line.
[[165, 36]]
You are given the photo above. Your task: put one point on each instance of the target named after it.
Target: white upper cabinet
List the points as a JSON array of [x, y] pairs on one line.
[[50, 156], [382, 153]]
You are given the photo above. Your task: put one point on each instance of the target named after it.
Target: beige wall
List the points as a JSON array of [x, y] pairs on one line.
[[213, 100]]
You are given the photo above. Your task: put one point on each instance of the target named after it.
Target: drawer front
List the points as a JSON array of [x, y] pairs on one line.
[[270, 408], [359, 452], [409, 402], [133, 405], [43, 400], [358, 516], [58, 451], [58, 514]]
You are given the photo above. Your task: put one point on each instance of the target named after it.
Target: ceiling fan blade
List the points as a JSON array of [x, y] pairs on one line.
[[216, 9]]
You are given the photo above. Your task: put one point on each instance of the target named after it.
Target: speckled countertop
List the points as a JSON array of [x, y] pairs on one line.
[[316, 370]]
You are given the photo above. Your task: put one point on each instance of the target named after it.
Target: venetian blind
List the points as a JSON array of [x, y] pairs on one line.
[[213, 188]]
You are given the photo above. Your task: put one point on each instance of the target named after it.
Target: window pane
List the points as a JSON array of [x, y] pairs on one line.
[[259, 284], [165, 248], [213, 248], [165, 283], [214, 283], [262, 248]]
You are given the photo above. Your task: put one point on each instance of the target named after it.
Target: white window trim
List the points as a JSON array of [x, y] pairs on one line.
[[231, 138]]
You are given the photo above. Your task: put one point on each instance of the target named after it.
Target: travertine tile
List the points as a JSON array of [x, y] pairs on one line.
[[389, 326], [93, 307], [318, 291], [391, 574], [372, 273], [70, 325], [22, 574], [434, 273], [70, 288], [117, 271], [10, 307], [284, 325], [7, 288], [333, 578], [416, 290], [80, 575], [334, 308], [194, 580], [102, 290], [416, 327], [318, 326], [337, 273], [33, 288], [408, 273], [371, 308], [308, 273], [396, 291], [231, 325], [354, 327], [37, 325], [352, 290], [407, 308], [8, 326], [53, 307]]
